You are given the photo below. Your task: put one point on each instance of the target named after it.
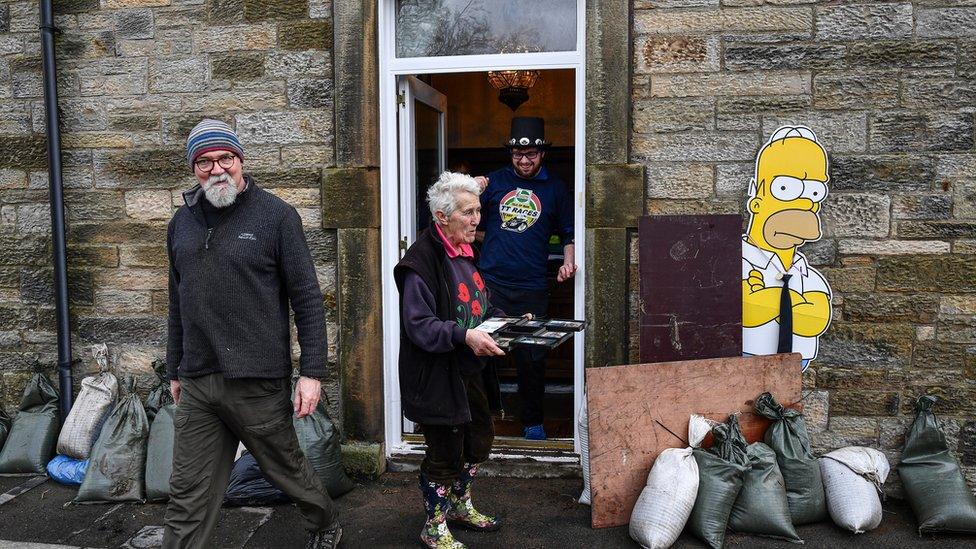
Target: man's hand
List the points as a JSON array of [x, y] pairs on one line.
[[482, 344], [566, 271], [174, 389], [482, 182], [307, 394], [755, 280]]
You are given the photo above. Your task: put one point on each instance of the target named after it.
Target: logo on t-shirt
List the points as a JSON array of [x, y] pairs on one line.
[[519, 209]]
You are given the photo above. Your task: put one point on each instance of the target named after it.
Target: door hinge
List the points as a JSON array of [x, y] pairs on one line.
[[403, 244], [401, 99]]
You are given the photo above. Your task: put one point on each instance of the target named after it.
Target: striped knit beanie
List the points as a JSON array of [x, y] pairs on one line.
[[212, 135]]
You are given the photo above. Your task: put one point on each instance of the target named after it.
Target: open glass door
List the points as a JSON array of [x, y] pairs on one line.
[[422, 116]]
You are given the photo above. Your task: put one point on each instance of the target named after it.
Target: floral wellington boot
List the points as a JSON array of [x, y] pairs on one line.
[[435, 534], [462, 511]]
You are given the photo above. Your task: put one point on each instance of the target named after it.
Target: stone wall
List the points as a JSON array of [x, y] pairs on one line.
[[891, 89], [134, 76]]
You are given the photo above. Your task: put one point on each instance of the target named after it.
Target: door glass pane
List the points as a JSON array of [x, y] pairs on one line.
[[430, 28], [427, 123]]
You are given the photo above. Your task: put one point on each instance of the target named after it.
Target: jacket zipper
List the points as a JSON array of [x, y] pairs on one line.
[[206, 244]]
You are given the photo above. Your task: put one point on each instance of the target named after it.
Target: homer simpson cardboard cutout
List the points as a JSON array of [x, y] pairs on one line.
[[784, 203]]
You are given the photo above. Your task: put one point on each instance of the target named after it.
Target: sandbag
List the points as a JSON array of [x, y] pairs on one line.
[[4, 426], [788, 438], [248, 487], [160, 395], [118, 459], [584, 436], [320, 441], [159, 454], [666, 502], [933, 481], [762, 507], [720, 471], [34, 432], [853, 478], [66, 470], [88, 412]]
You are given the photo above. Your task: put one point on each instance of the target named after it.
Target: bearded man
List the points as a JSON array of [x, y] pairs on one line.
[[238, 258]]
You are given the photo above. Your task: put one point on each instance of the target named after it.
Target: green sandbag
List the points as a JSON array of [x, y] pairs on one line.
[[159, 396], [159, 454], [34, 432], [935, 485], [4, 426], [762, 507], [720, 471], [321, 443], [788, 437], [116, 470]]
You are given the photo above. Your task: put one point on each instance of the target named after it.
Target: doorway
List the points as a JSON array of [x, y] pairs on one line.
[[440, 112]]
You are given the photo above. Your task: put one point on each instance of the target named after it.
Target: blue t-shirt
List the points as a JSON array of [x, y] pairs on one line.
[[518, 216]]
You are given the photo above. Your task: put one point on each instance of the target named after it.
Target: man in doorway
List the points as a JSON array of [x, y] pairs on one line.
[[522, 206], [238, 258]]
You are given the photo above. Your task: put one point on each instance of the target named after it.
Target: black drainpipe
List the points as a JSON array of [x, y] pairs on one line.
[[57, 206]]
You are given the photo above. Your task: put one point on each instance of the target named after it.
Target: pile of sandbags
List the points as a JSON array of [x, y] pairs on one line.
[[33, 432], [762, 507], [853, 478], [161, 414], [666, 502], [95, 399], [720, 471], [933, 481]]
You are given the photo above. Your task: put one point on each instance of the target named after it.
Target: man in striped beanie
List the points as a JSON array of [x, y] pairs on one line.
[[238, 262]]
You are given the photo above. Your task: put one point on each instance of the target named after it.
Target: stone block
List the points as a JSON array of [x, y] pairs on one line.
[[29, 249], [915, 273], [695, 147], [855, 90], [122, 4], [283, 127], [144, 256], [135, 122], [937, 229], [134, 24], [914, 132], [25, 152], [784, 56], [857, 215], [312, 93], [901, 53], [34, 218], [966, 450], [964, 199], [70, 6], [165, 42], [225, 12], [93, 256], [657, 206], [237, 66], [116, 232], [865, 22], [90, 205], [677, 181], [885, 307], [861, 344], [350, 198], [922, 206], [360, 326], [274, 10], [752, 19], [37, 287], [111, 301], [128, 168], [292, 178], [850, 378], [608, 31], [87, 45], [605, 185], [149, 205], [865, 403], [364, 461], [178, 75], [306, 155], [892, 247], [656, 54], [606, 297], [673, 115], [305, 35], [300, 197], [299, 64], [122, 76], [887, 173], [846, 431], [221, 39], [128, 330], [960, 329], [729, 83], [838, 132], [732, 180], [957, 305], [134, 278], [820, 252], [952, 23], [322, 244]]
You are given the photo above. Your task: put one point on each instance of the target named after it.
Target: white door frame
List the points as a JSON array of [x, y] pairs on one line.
[[390, 68]]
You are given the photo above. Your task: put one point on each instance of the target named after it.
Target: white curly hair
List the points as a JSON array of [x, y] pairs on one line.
[[442, 195]]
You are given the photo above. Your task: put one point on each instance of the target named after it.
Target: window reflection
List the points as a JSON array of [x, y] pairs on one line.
[[430, 28]]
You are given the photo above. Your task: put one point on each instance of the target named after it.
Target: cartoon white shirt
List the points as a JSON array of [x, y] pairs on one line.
[[763, 340]]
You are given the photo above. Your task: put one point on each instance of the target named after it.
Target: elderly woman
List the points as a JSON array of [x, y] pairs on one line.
[[444, 385]]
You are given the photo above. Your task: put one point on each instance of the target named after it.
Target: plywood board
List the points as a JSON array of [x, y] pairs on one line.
[[690, 286], [624, 402]]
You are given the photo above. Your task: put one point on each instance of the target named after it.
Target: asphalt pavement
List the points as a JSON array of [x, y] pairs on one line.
[[538, 513]]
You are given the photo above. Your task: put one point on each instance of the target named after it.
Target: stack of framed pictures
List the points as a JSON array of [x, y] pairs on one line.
[[509, 332]]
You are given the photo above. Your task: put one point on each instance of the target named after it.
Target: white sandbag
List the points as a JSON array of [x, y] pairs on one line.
[[666, 502], [90, 408], [584, 435], [853, 478]]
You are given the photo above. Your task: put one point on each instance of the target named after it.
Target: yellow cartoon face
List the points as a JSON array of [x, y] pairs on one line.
[[791, 181]]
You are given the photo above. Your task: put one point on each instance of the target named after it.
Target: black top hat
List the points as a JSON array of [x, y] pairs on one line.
[[528, 131]]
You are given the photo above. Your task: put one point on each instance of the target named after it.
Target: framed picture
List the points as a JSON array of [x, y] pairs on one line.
[[536, 341], [532, 323], [504, 342], [565, 325], [551, 334]]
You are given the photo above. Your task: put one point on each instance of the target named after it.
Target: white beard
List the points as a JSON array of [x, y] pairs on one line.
[[221, 196]]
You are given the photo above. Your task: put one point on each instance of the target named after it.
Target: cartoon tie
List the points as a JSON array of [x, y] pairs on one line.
[[785, 318]]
